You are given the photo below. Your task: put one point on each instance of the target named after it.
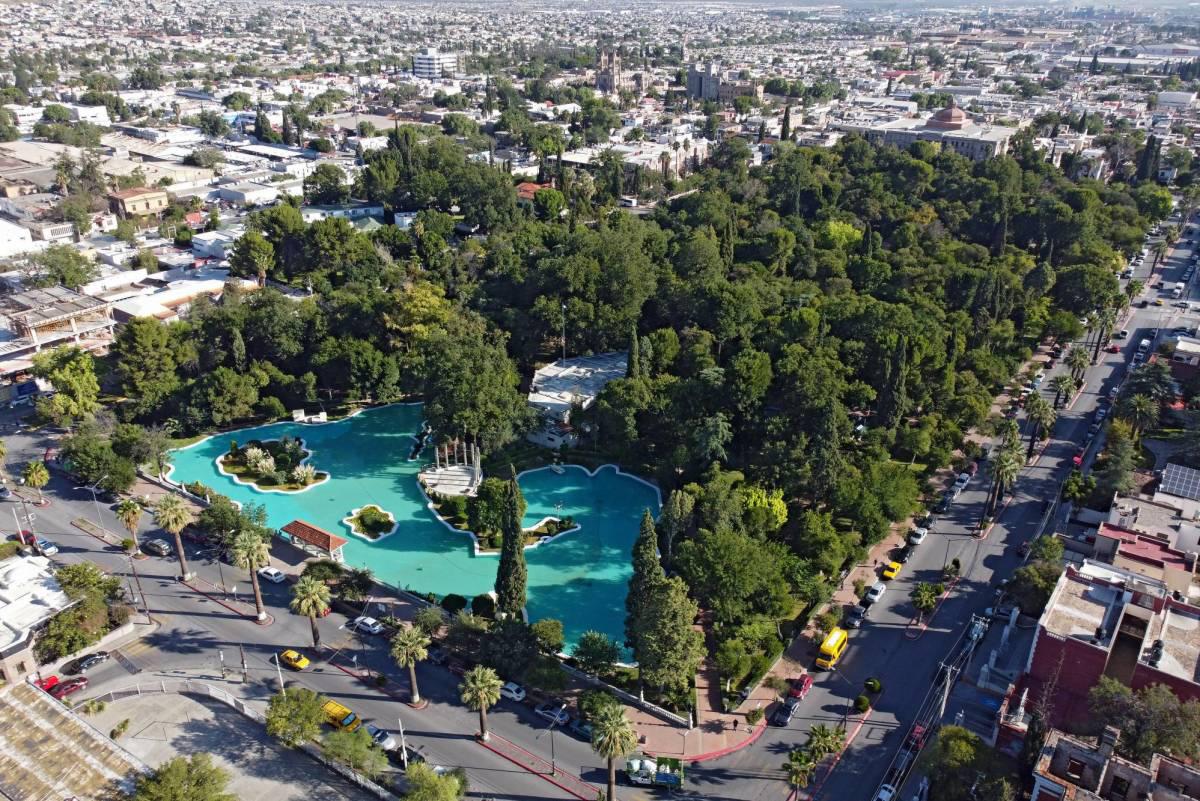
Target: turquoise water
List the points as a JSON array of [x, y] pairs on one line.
[[579, 578]]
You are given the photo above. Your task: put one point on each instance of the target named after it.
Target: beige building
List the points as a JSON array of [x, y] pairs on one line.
[[950, 127], [139, 202]]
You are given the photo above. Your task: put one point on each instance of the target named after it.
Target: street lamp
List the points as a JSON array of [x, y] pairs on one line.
[[550, 728], [92, 489]]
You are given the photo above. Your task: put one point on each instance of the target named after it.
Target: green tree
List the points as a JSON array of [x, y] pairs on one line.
[[1042, 417], [61, 264], [250, 552], [647, 574], [430, 619], [147, 357], [549, 635], [823, 741], [295, 717], [613, 737], [326, 184], [425, 784], [596, 653], [193, 778], [549, 204], [253, 256], [37, 476], [669, 649], [925, 597], [356, 750], [71, 371], [480, 689], [310, 597], [1152, 720], [511, 573], [173, 515], [1140, 411], [1063, 386], [410, 646], [800, 768]]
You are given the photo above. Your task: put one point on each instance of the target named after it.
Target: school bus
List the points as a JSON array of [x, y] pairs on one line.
[[832, 647], [340, 717]]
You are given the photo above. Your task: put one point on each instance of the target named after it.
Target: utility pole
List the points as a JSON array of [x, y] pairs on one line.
[[279, 674], [564, 331], [948, 682], [245, 670], [403, 745]]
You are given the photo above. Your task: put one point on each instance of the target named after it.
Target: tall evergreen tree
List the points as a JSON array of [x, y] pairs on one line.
[[647, 574], [785, 130], [1095, 67], [511, 574], [634, 368]]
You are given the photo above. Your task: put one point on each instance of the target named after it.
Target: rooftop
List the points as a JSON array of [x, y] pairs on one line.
[[137, 191], [39, 306], [307, 532], [29, 595], [1180, 634], [1077, 608], [1181, 481], [564, 383]]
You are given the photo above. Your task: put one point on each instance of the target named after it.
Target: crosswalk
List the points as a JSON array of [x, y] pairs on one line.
[[127, 657]]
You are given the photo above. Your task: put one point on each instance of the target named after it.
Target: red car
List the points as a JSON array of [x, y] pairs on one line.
[[47, 683], [1113, 348], [63, 689], [801, 685], [1077, 459]]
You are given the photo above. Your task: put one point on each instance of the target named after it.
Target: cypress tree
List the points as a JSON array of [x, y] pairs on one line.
[[511, 574], [634, 368], [647, 575], [785, 130]]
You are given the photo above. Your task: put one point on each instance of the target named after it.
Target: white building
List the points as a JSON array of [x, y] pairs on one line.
[[29, 596], [250, 194], [431, 64], [14, 239], [567, 384], [24, 117], [950, 127], [96, 115], [1176, 101]]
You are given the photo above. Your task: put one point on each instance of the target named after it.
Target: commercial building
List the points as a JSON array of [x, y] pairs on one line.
[[1071, 768], [29, 597], [1104, 620], [570, 384], [431, 64]]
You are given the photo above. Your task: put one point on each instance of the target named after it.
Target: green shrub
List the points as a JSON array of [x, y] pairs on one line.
[[454, 603], [873, 685], [483, 606], [380, 680], [754, 715], [119, 729], [128, 544], [862, 703], [272, 408]]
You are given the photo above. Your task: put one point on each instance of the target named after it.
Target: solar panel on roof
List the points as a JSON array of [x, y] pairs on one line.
[[1181, 481]]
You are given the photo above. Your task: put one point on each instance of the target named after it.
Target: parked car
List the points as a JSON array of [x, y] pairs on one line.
[[294, 659], [886, 793], [891, 570], [1113, 348], [368, 624], [86, 663], [47, 683], [159, 548], [399, 755], [943, 505], [963, 480], [1122, 334], [272, 574], [875, 592], [800, 685], [918, 535], [5, 492], [904, 554], [855, 616], [69, 687], [513, 691], [786, 711], [581, 729], [46, 547], [382, 737], [554, 711]]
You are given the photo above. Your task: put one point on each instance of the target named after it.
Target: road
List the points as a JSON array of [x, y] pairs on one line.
[[195, 631], [902, 656]]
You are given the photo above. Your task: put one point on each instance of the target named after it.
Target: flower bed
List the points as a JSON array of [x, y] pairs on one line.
[[279, 465]]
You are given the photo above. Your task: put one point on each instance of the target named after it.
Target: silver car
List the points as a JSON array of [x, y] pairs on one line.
[[382, 737]]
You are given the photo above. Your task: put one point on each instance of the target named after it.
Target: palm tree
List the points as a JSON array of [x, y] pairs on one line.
[[1077, 362], [612, 738], [250, 552], [37, 476], [173, 515], [1160, 249], [1063, 386], [823, 741], [310, 597], [129, 512], [480, 689], [1141, 411], [1104, 321], [408, 648], [800, 768], [1005, 469], [925, 596], [3, 453], [1042, 415]]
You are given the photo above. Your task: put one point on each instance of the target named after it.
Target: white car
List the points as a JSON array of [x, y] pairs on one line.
[[382, 737], [875, 592], [918, 535], [512, 691], [886, 793], [963, 480], [368, 624], [272, 574]]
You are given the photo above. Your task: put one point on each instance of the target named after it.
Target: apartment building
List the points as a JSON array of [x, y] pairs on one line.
[[432, 64]]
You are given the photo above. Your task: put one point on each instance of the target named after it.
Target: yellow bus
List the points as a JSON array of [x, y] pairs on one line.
[[340, 717], [832, 648]]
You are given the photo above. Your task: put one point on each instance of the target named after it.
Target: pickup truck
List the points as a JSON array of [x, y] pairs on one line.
[[651, 771]]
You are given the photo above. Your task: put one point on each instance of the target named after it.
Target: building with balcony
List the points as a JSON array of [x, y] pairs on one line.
[[47, 318], [432, 64], [139, 202]]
